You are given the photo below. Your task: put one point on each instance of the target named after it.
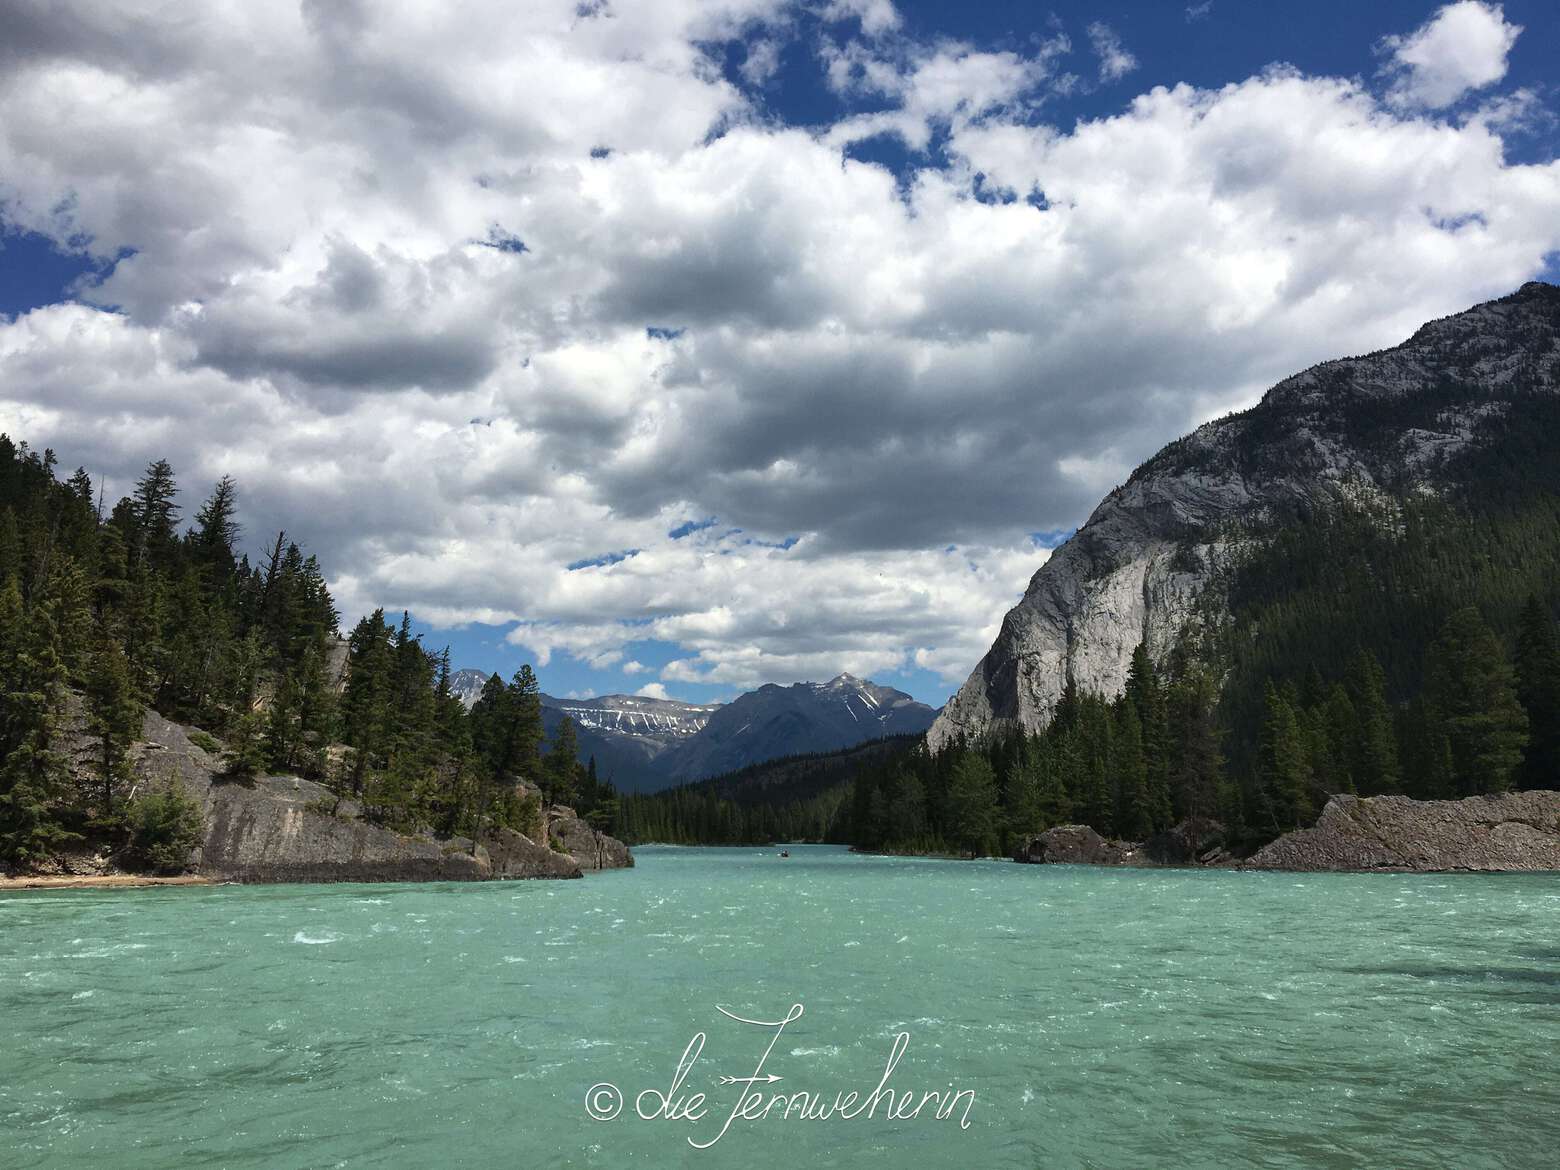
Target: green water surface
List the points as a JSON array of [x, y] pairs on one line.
[[1099, 1018]]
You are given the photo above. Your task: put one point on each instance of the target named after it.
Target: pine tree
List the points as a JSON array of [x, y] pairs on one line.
[[1283, 771], [1376, 757], [1025, 816], [1054, 800], [217, 530], [1470, 687], [154, 514], [113, 716], [1196, 758], [907, 810], [562, 764], [1134, 816], [1538, 688], [972, 795], [33, 772], [1147, 695]]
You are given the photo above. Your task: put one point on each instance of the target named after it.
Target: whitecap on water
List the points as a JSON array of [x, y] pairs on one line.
[[312, 940], [83, 995]]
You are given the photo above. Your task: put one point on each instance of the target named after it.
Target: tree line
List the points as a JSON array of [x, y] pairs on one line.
[[1133, 765], [1486, 720], [103, 613]]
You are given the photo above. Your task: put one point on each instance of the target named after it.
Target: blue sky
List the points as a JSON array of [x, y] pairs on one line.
[[804, 320]]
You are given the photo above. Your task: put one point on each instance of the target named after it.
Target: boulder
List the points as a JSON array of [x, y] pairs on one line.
[[1071, 845], [1512, 831]]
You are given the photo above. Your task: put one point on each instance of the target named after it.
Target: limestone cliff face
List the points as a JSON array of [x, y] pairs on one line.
[[1151, 557]]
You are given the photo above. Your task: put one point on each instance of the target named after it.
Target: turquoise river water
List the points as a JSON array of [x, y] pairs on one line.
[[1071, 1017]]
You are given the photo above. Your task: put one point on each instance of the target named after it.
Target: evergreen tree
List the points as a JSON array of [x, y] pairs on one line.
[[154, 515], [1134, 813], [1538, 688], [1283, 771], [217, 530], [562, 764], [973, 795], [1196, 758], [1147, 694], [1375, 757], [1026, 816], [113, 716], [33, 771], [1054, 802], [1470, 688]]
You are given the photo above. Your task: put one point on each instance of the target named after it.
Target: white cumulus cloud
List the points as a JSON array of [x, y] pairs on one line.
[[1463, 47], [484, 307]]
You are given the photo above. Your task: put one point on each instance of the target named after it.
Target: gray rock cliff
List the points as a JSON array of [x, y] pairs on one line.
[[1148, 561], [276, 829]]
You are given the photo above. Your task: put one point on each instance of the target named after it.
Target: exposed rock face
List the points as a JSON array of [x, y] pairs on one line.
[[279, 829], [1150, 556], [1071, 845], [264, 833], [1513, 831], [587, 847], [514, 855]]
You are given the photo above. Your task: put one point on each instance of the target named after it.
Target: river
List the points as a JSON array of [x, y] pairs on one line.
[[1027, 1016]]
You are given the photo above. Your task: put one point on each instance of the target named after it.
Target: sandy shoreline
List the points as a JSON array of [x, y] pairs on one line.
[[99, 881]]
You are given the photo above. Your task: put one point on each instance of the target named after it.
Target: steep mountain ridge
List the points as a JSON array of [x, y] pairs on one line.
[[642, 744], [1152, 558], [627, 735], [776, 721]]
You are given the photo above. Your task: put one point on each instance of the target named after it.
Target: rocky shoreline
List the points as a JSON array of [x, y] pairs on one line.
[[285, 829], [1512, 832]]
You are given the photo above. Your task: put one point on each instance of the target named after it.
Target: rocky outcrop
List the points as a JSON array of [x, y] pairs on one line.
[[1071, 845], [1151, 559], [1513, 831], [590, 848], [264, 832], [514, 855], [286, 829]]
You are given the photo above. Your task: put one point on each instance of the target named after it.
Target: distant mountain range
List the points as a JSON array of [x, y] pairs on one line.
[[644, 744]]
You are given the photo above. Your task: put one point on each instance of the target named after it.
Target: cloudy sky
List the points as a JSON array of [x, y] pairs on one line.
[[691, 344]]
